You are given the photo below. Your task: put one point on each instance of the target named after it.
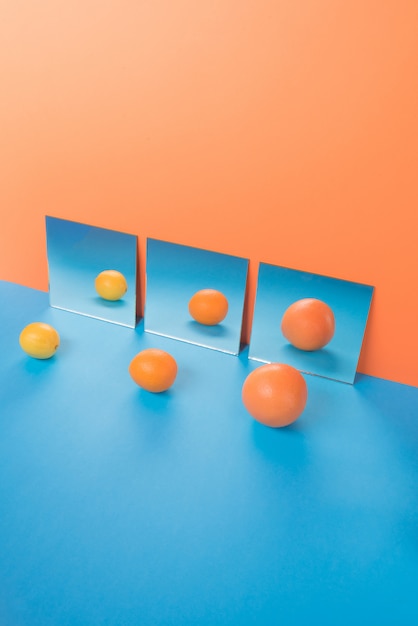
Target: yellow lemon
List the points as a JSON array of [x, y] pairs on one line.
[[39, 340], [111, 285]]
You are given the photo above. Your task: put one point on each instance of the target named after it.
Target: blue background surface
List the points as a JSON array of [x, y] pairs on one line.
[[278, 288], [174, 274], [77, 253], [120, 507]]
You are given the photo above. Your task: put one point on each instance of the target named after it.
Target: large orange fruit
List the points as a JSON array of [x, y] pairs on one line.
[[153, 369], [308, 324], [208, 307], [275, 394]]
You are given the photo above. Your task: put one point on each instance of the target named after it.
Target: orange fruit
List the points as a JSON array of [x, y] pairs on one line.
[[208, 307], [39, 340], [275, 394], [154, 370], [111, 285], [308, 324]]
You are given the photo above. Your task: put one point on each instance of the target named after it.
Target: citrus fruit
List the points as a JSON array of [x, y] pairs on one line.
[[153, 369], [308, 324], [275, 394], [111, 285], [39, 340], [208, 307]]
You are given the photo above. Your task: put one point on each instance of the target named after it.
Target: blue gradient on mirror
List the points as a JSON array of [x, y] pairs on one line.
[[174, 274], [277, 289], [77, 253]]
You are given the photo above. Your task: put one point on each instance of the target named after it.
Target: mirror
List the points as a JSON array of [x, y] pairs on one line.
[[92, 271], [195, 295], [291, 304]]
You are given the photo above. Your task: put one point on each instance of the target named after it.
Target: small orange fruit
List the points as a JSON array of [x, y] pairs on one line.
[[111, 285], [208, 307], [308, 324], [154, 370], [275, 394], [39, 340]]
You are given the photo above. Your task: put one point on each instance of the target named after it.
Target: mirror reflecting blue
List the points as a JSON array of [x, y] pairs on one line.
[[277, 326], [92, 271], [195, 295]]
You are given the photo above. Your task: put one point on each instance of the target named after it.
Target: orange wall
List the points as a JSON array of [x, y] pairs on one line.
[[282, 131]]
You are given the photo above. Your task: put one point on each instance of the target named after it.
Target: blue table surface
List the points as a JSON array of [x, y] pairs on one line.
[[121, 507]]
